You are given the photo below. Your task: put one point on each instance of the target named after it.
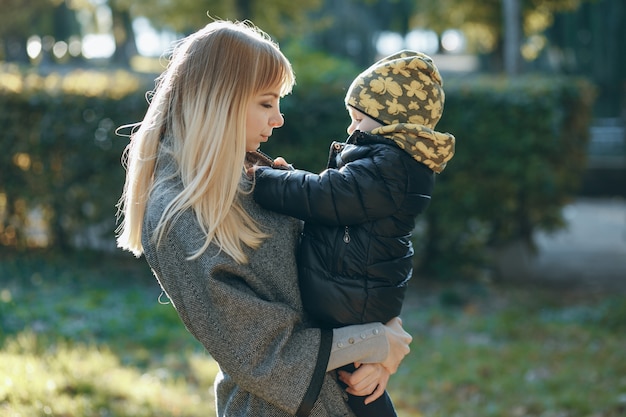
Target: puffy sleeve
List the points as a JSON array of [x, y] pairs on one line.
[[363, 190]]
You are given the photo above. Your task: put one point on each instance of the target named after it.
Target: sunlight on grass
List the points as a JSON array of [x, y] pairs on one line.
[[79, 339], [41, 379]]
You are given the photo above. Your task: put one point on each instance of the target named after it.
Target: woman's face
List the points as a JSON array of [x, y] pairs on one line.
[[262, 117]]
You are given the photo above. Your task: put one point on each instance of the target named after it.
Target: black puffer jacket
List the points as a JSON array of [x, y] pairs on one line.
[[355, 257]]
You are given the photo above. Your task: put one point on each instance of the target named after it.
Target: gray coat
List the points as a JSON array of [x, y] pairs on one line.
[[248, 317]]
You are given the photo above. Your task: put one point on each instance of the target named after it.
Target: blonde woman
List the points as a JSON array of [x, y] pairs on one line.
[[227, 265]]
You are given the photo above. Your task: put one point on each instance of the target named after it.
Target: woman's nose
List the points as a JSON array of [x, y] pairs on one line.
[[278, 120]]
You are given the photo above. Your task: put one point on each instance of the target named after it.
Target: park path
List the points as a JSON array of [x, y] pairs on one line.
[[590, 252]]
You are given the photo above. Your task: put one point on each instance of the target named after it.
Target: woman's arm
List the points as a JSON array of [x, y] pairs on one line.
[[264, 347], [248, 317], [370, 343], [242, 315], [371, 378]]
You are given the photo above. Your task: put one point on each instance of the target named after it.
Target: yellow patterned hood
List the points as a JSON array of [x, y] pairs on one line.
[[433, 149]]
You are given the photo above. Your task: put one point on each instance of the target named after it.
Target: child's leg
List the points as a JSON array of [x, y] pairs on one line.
[[382, 407]]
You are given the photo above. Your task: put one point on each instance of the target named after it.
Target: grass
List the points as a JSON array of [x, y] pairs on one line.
[[519, 352], [86, 335]]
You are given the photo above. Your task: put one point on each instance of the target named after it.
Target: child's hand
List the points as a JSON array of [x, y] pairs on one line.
[[280, 162], [369, 379]]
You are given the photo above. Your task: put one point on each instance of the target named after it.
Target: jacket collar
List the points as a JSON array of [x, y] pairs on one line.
[[433, 149]]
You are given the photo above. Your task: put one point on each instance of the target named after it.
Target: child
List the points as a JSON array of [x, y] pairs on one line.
[[355, 255]]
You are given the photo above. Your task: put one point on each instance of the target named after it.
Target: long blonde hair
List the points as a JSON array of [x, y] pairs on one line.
[[199, 105]]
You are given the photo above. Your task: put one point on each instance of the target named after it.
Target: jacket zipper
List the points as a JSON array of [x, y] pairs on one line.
[[342, 249]]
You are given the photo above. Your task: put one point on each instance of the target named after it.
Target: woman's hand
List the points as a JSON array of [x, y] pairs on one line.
[[369, 379], [399, 341]]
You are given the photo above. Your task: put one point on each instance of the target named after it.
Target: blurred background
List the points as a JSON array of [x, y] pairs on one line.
[[75, 71], [517, 301]]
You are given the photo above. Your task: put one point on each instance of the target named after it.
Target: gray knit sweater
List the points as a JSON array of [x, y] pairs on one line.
[[248, 317]]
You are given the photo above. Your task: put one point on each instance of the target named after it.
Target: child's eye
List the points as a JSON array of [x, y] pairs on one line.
[[267, 105]]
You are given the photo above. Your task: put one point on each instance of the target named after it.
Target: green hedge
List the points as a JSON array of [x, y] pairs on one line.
[[60, 171], [520, 157], [520, 154]]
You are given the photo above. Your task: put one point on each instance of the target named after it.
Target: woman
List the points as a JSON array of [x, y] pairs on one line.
[[227, 265]]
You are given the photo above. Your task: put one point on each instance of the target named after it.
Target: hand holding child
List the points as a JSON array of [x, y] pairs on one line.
[[369, 379], [399, 341]]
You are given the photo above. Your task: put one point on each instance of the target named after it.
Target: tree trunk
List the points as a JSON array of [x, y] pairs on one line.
[[125, 44], [512, 36]]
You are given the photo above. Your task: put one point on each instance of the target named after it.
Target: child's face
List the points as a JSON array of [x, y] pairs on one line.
[[360, 121]]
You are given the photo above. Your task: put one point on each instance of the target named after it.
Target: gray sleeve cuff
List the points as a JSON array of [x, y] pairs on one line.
[[365, 343]]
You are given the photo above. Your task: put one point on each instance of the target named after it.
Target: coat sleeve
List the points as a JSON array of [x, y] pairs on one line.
[[260, 344], [363, 190]]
